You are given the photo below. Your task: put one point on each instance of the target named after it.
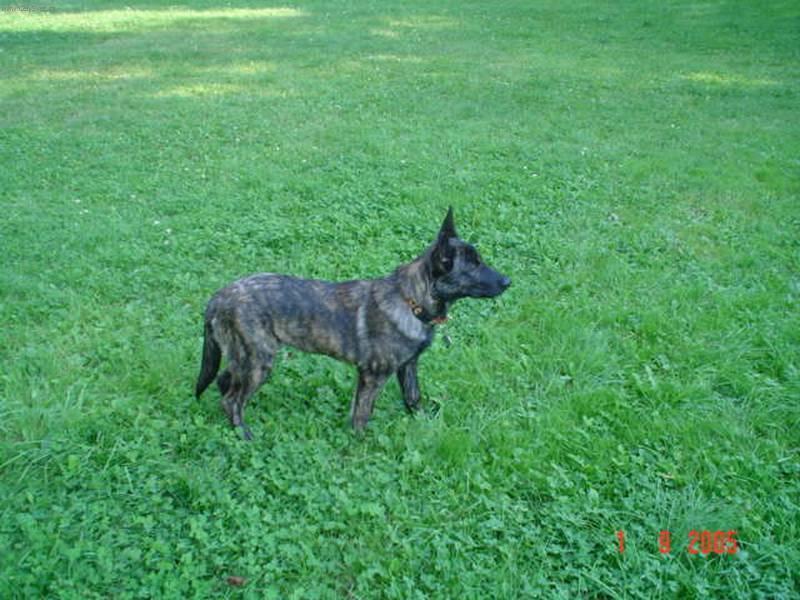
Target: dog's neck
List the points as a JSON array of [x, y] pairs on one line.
[[423, 315], [416, 286]]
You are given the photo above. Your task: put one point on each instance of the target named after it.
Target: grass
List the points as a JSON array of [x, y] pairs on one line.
[[633, 167]]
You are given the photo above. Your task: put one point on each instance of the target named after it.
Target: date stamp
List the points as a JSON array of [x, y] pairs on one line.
[[700, 542]]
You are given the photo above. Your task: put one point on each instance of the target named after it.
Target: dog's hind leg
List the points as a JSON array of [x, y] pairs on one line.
[[229, 386], [250, 349], [244, 379], [224, 382]]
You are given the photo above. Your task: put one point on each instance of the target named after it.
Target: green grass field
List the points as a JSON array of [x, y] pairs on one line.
[[633, 166]]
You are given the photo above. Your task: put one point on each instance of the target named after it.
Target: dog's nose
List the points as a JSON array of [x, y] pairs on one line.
[[505, 282]]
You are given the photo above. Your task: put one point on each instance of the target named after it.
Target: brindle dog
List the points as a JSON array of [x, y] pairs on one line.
[[379, 325]]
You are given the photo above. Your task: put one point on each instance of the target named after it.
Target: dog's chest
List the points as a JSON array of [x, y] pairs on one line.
[[406, 325], [390, 337]]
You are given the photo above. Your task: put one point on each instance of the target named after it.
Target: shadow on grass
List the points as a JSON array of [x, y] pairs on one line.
[[198, 53]]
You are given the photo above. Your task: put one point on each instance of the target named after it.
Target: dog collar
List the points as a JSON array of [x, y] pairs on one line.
[[423, 315]]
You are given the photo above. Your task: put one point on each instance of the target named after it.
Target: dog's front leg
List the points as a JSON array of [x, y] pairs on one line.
[[407, 376], [369, 386]]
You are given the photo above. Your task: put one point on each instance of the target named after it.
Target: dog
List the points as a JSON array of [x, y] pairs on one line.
[[381, 326]]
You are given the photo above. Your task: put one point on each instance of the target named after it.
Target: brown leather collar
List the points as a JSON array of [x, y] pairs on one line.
[[423, 315]]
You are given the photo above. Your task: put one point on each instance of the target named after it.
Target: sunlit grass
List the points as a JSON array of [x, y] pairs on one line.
[[111, 74], [728, 79], [208, 89], [129, 19]]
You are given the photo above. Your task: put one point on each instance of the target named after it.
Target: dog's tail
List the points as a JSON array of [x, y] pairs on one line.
[[211, 360]]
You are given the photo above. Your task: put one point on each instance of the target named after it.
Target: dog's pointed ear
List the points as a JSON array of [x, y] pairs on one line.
[[443, 252], [448, 229]]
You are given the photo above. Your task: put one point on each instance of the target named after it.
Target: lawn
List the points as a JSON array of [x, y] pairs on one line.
[[633, 167]]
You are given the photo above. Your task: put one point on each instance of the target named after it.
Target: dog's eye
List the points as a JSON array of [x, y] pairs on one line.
[[471, 255]]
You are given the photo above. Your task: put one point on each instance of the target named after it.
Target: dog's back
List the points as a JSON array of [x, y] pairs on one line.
[[275, 310]]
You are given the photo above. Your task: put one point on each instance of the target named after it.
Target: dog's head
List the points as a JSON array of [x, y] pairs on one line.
[[458, 270]]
